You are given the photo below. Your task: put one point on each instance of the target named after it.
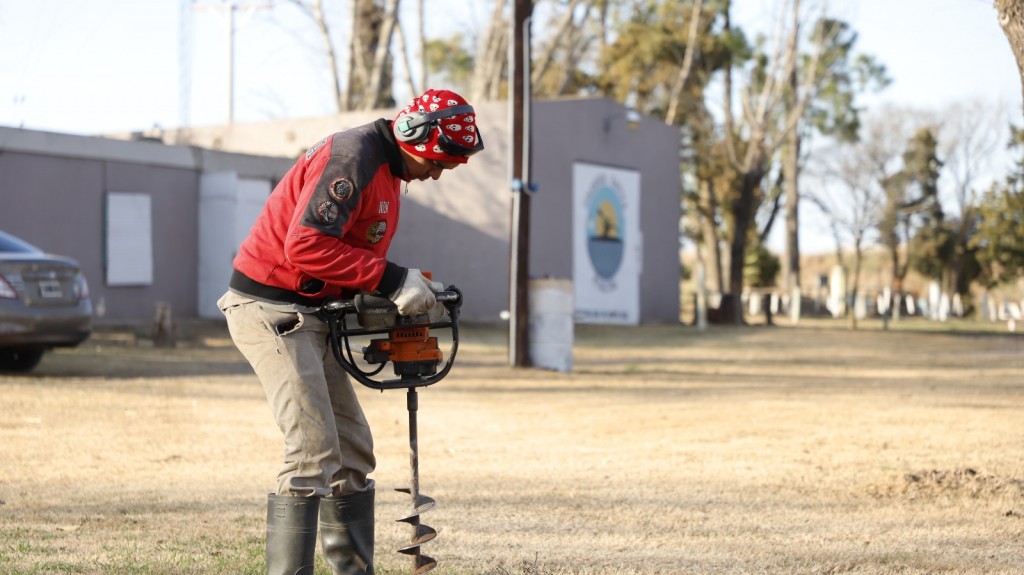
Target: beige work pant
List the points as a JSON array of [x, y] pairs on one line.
[[328, 447]]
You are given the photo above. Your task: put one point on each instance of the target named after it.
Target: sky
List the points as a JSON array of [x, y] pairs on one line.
[[96, 66], [112, 66]]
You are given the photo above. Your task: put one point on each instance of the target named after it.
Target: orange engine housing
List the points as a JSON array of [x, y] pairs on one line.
[[411, 350]]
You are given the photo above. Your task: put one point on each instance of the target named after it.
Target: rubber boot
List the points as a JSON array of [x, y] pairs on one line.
[[291, 534], [346, 533]]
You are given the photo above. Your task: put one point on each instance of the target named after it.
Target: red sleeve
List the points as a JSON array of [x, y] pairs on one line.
[[327, 208]]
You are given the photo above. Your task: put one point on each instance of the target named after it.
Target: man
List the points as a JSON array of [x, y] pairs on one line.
[[324, 233]]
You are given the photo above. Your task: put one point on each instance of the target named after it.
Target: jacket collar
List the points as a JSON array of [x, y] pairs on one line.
[[391, 150]]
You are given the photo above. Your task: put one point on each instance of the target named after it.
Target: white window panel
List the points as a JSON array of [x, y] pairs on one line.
[[129, 239]]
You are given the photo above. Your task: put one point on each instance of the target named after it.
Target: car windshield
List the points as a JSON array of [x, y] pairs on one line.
[[12, 245]]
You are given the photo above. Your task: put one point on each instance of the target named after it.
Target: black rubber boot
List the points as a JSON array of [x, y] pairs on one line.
[[291, 534], [346, 533]]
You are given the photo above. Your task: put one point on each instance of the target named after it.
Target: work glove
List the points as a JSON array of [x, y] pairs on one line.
[[416, 294]]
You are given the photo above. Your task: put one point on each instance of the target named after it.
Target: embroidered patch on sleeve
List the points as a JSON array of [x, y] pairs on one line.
[[327, 212], [341, 190]]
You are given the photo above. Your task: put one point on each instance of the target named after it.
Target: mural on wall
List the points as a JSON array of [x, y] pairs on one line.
[[607, 244]]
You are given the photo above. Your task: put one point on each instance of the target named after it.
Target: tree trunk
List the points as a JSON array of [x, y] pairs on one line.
[[684, 70], [378, 89], [791, 176], [356, 55], [421, 22], [858, 257], [791, 172], [732, 307], [743, 217], [492, 58], [713, 254], [563, 33], [406, 65], [1011, 19], [316, 12]]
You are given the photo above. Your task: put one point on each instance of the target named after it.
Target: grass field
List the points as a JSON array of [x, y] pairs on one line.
[[667, 450]]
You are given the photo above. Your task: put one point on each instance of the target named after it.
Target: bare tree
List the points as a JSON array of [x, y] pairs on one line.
[[971, 132], [378, 89], [410, 84], [790, 157], [887, 133], [684, 70], [369, 62], [421, 22], [357, 72], [574, 29], [315, 10], [565, 28], [709, 242], [854, 210], [492, 57], [752, 140]]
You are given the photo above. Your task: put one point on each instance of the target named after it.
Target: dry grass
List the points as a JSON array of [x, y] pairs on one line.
[[667, 451]]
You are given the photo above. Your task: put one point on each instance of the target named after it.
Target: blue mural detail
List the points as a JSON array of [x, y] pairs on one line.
[[605, 241]]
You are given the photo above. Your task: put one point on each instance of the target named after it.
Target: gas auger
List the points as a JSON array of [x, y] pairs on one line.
[[416, 358]]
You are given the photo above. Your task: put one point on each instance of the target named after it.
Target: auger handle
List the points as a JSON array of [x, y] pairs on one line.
[[371, 303]]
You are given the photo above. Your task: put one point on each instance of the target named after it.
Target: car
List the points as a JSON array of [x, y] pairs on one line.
[[44, 304]]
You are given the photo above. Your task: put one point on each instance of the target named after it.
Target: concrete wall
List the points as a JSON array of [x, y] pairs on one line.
[[52, 194], [597, 131]]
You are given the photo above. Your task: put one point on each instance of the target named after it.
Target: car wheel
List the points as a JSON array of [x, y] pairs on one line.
[[19, 360]]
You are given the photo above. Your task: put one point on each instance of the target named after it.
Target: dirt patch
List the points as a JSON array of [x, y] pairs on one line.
[[960, 482], [966, 480]]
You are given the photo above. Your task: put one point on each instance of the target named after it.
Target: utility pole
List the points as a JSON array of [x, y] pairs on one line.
[[519, 162], [231, 7], [184, 65]]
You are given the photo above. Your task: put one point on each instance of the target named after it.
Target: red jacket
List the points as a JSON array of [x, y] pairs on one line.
[[326, 228]]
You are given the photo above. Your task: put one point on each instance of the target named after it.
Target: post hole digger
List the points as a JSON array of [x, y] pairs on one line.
[[416, 360]]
